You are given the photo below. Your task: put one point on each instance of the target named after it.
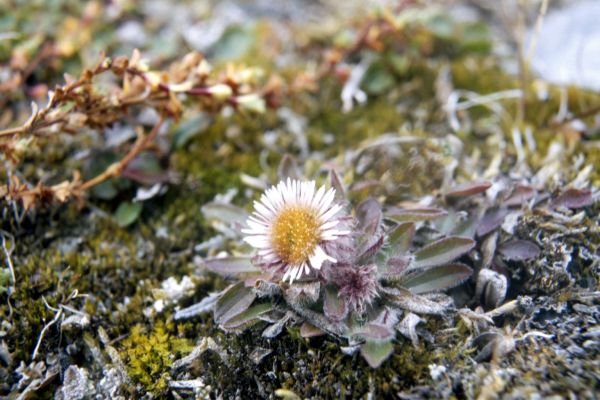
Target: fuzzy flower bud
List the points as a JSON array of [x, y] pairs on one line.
[[357, 285]]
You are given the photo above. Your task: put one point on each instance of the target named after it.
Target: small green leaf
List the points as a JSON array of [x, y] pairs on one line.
[[105, 190], [414, 214], [127, 213], [376, 352], [400, 238], [438, 278], [442, 251], [335, 308], [248, 316], [476, 37], [190, 128], [441, 25], [373, 331], [308, 330], [235, 43], [378, 79], [224, 212], [231, 266], [232, 302]]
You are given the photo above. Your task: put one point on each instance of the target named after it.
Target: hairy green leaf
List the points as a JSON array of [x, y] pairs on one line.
[[442, 251], [231, 266], [248, 316], [235, 300], [376, 352], [224, 212], [438, 278]]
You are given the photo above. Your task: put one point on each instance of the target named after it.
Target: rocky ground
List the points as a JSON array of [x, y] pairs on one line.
[[95, 294]]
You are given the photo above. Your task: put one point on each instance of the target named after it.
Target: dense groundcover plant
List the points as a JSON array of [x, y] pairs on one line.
[[307, 257], [357, 275]]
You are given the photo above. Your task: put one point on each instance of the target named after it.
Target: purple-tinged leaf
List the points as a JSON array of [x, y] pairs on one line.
[[368, 185], [334, 306], [492, 219], [288, 168], [224, 212], [468, 189], [400, 237], [247, 316], [404, 299], [520, 195], [370, 248], [369, 215], [438, 278], [231, 266], [414, 214], [376, 352], [397, 266], [388, 317], [336, 183], [573, 198], [442, 251], [234, 300], [148, 177], [308, 330], [373, 331], [518, 250]]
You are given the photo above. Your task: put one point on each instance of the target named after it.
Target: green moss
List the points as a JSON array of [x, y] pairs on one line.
[[316, 368], [149, 356]]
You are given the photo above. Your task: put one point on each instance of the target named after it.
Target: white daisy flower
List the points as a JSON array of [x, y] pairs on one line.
[[290, 224]]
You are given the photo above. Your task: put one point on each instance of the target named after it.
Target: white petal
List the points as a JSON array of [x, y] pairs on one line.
[[330, 213], [319, 257], [258, 241], [326, 201], [318, 197], [300, 270], [329, 225], [256, 228], [263, 211], [287, 273]]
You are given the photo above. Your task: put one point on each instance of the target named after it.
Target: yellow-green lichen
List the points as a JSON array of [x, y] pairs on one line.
[[149, 356]]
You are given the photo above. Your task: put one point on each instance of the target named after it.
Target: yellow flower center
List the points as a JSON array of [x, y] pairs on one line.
[[295, 234]]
